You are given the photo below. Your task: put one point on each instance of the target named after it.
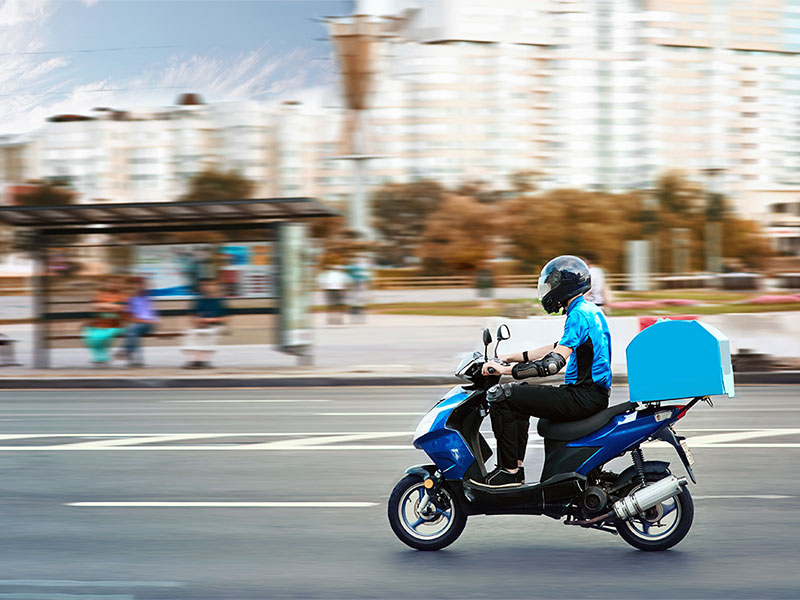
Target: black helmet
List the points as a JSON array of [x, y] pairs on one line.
[[562, 279]]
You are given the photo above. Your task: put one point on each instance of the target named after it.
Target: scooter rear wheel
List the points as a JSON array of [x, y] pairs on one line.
[[662, 526], [439, 525]]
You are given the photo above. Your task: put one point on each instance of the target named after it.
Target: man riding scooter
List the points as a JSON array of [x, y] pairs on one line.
[[585, 349]]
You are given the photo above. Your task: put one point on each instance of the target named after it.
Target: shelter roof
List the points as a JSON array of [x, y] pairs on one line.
[[148, 214]]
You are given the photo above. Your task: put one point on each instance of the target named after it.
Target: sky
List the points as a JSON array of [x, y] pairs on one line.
[[68, 56]]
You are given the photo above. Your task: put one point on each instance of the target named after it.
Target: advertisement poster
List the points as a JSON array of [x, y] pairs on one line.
[[295, 287], [174, 271]]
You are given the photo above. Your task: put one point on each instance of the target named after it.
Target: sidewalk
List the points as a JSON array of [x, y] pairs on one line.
[[386, 350], [386, 345]]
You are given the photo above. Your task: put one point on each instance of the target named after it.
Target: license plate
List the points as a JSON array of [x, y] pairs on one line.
[[687, 452]]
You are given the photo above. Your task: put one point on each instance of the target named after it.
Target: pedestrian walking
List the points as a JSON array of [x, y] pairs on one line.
[[599, 292], [334, 281]]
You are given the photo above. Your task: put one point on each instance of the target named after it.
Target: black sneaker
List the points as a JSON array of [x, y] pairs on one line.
[[520, 472], [502, 478]]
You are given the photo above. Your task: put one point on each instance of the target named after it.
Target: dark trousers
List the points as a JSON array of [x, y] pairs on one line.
[[511, 418], [133, 335]]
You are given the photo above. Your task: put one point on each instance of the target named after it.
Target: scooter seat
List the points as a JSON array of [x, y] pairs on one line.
[[572, 430]]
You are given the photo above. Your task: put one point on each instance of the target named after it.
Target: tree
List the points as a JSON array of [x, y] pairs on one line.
[[212, 185], [457, 237], [53, 193], [338, 244], [525, 182], [481, 191], [744, 240], [676, 194], [570, 222], [401, 211]]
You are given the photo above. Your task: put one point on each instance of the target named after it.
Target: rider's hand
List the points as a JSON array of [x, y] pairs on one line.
[[499, 369]]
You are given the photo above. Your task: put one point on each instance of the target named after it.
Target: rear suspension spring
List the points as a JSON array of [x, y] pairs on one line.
[[638, 461]]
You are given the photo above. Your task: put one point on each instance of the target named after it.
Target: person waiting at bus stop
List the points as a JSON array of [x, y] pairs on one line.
[[585, 349], [143, 319], [110, 310], [209, 315]]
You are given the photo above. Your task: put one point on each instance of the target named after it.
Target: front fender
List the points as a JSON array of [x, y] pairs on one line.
[[424, 471], [650, 466]]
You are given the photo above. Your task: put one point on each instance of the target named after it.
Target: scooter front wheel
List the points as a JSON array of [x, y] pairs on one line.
[[435, 526]]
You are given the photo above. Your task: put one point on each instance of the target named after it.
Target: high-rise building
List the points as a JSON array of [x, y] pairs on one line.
[[603, 94], [150, 155]]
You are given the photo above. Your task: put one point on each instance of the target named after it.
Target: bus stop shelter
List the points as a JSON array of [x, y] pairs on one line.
[[124, 229]]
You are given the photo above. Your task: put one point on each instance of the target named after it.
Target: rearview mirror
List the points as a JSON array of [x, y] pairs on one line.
[[487, 339], [503, 333]]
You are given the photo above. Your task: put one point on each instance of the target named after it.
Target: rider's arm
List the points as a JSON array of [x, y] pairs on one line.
[[550, 364], [532, 354], [529, 368]]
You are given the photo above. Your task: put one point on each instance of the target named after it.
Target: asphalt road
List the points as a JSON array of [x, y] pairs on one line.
[[60, 449]]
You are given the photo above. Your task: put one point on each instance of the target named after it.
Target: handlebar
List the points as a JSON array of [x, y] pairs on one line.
[[492, 370]]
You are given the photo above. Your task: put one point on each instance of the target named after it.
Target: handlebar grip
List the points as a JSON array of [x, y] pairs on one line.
[[492, 370]]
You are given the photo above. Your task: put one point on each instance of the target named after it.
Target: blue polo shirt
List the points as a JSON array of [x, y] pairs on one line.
[[586, 332]]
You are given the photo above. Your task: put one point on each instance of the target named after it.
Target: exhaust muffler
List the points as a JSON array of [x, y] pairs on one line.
[[648, 497]]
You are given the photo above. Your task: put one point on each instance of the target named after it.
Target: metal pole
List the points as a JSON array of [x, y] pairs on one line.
[[359, 210], [41, 303]]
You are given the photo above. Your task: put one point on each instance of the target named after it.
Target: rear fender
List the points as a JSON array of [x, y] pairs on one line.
[[668, 435], [650, 466]]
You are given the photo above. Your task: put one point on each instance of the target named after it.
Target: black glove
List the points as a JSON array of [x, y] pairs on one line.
[[548, 365]]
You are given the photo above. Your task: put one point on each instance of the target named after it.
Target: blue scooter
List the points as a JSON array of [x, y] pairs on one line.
[[648, 506]]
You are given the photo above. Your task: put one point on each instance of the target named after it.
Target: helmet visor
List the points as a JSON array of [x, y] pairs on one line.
[[544, 285]]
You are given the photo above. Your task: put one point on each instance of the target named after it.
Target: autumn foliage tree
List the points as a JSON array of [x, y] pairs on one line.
[[49, 193], [458, 236], [401, 212], [685, 205], [569, 222], [213, 185], [453, 232]]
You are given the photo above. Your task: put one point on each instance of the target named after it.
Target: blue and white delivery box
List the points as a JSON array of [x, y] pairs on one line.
[[674, 360]]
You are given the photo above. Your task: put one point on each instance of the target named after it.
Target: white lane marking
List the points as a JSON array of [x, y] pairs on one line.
[[339, 447], [368, 414], [323, 441], [320, 441], [752, 497], [738, 436], [724, 409], [222, 504], [244, 401], [199, 434], [120, 442], [74, 583]]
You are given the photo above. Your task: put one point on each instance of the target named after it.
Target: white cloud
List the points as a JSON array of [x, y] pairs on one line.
[[33, 87], [247, 75], [16, 12]]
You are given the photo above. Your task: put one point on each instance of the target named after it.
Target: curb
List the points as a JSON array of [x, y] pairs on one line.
[[378, 380], [66, 383]]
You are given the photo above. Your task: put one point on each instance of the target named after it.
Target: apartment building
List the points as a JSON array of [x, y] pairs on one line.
[[603, 94], [150, 155]]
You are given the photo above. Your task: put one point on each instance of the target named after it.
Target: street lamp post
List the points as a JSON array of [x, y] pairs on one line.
[[714, 213], [355, 40]]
